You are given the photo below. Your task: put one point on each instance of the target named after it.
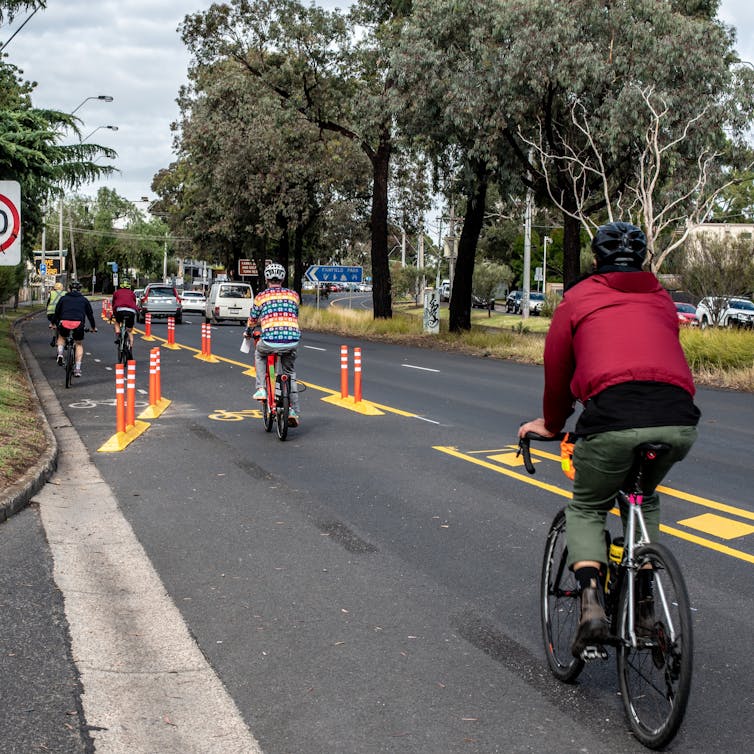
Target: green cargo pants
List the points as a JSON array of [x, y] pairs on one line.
[[603, 461]]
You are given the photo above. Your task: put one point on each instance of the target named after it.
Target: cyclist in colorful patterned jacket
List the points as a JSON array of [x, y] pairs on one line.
[[275, 311], [613, 346]]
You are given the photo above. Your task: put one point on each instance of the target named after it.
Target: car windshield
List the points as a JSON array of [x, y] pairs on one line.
[[235, 291], [192, 294], [686, 308], [742, 304], [535, 296]]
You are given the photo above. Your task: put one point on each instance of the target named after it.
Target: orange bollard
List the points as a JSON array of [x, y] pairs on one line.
[[171, 331], [209, 340], [131, 394], [344, 371], [158, 378], [153, 376], [356, 375], [148, 325], [120, 399]]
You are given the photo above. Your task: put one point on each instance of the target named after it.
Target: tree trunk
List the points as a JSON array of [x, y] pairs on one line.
[[381, 293], [460, 297], [571, 249], [298, 258]]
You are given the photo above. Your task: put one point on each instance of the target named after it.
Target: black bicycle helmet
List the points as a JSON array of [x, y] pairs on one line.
[[74, 285], [619, 244]]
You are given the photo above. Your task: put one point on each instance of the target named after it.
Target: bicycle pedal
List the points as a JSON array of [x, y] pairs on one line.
[[594, 652]]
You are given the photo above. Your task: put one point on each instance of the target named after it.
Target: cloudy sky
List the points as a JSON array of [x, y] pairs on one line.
[[130, 50]]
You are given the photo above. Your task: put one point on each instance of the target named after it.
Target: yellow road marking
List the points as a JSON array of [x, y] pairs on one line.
[[718, 526], [678, 533]]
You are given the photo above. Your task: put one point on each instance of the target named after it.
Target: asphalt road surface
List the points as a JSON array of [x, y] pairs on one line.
[[371, 584]]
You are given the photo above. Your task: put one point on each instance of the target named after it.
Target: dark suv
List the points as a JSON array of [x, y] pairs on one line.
[[160, 300]]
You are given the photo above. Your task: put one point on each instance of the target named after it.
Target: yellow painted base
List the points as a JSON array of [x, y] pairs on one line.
[[171, 346], [362, 407], [120, 440], [209, 359], [155, 410], [148, 337]]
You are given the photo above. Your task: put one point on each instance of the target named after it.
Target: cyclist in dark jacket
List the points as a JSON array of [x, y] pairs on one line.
[[613, 346], [71, 312]]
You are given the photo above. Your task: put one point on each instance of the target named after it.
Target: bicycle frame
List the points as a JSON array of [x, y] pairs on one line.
[[634, 501]]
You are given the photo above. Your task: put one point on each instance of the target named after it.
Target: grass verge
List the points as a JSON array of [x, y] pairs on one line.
[[22, 438]]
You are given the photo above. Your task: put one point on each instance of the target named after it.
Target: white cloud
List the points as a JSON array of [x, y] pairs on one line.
[[131, 50]]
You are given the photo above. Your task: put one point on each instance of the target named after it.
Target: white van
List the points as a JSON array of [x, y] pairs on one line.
[[229, 301]]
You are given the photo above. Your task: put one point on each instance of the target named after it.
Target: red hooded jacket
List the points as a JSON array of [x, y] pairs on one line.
[[610, 328]]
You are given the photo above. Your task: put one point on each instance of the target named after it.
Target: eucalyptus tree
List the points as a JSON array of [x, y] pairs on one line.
[[445, 103], [329, 68], [608, 110]]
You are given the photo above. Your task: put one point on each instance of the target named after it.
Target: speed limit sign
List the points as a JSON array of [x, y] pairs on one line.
[[10, 222]]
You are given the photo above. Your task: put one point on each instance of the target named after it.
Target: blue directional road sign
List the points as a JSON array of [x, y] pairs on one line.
[[334, 274]]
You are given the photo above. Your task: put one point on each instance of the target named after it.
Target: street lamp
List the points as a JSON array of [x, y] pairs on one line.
[[112, 128], [102, 97]]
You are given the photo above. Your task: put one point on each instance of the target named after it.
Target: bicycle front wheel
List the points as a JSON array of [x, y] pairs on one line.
[[559, 601], [655, 675], [283, 407]]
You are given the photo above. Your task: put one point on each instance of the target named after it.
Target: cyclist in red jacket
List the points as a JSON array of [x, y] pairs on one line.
[[613, 346], [124, 311]]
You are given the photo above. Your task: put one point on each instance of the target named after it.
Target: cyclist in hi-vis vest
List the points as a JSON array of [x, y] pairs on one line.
[[613, 346], [275, 309], [52, 301]]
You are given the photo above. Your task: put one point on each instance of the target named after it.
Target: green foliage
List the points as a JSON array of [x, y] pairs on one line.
[[718, 268], [11, 279], [488, 277]]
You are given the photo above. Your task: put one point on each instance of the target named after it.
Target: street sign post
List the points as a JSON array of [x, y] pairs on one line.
[[334, 274]]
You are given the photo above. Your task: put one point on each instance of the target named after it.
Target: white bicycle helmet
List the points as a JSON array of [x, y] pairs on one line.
[[274, 271]]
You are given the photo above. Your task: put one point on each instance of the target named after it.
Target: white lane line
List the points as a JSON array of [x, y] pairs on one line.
[[423, 369], [424, 419], [314, 348]]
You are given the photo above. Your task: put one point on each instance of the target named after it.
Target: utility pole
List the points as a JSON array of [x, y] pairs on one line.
[[527, 248]]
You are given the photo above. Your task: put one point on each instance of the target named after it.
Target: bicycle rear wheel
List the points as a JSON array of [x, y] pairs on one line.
[[69, 356], [283, 406], [655, 676], [559, 602]]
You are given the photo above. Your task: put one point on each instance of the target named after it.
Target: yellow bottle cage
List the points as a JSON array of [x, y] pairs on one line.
[[566, 457]]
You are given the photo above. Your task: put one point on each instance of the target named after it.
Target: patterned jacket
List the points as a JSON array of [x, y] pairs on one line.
[[275, 309]]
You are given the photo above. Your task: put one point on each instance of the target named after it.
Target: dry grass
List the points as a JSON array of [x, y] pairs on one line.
[[718, 358]]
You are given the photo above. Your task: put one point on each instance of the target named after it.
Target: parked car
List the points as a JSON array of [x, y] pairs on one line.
[[193, 301], [513, 302], [160, 300], [725, 312], [536, 301], [480, 302], [445, 290], [686, 314]]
